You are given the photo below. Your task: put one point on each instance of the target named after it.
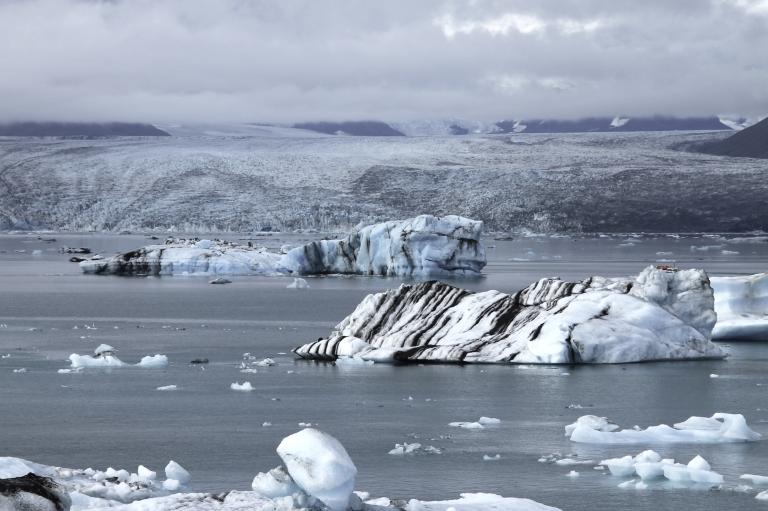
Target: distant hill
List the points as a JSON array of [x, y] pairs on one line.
[[613, 124], [354, 128], [80, 129], [750, 142]]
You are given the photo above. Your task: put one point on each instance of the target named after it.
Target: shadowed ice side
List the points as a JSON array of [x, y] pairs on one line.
[[658, 315]]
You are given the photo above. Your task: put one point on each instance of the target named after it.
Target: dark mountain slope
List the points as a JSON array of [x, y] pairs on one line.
[[80, 129], [750, 142]]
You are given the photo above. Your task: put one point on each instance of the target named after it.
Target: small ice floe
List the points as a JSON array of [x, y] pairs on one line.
[[220, 280], [245, 386], [266, 424], [713, 375], [626, 245], [20, 370], [73, 370], [720, 428], [37, 253], [649, 465], [762, 480], [575, 406], [495, 457], [413, 448], [482, 423], [567, 462], [168, 387], [729, 252], [7, 355], [298, 283], [664, 254], [705, 248], [104, 356], [250, 363], [305, 424], [175, 471], [145, 475], [572, 474]]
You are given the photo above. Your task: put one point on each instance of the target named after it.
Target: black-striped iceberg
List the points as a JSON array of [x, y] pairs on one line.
[[658, 315]]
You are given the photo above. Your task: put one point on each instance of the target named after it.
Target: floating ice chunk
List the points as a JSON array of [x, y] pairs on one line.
[[20, 370], [466, 425], [721, 427], [592, 422], [175, 471], [89, 361], [146, 474], [405, 448], [298, 283], [168, 387], [478, 502], [489, 421], [220, 280], [573, 474], [320, 466], [273, 484], [755, 478], [245, 386], [495, 457], [713, 375], [153, 362], [37, 252], [267, 362], [763, 495], [103, 350], [70, 371], [699, 463], [621, 467], [266, 424], [171, 485]]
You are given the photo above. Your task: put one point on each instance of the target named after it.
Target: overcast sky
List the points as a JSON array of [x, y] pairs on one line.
[[294, 60]]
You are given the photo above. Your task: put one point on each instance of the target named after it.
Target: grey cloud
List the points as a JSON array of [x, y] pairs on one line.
[[294, 60]]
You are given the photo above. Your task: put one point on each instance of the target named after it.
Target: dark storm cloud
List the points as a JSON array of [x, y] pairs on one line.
[[286, 60]]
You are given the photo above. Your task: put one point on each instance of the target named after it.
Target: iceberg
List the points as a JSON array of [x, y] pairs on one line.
[[194, 257], [424, 245], [659, 315], [719, 428], [104, 357], [320, 466], [741, 304]]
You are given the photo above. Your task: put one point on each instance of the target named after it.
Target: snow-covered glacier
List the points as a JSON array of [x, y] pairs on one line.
[[424, 245], [741, 304], [658, 315]]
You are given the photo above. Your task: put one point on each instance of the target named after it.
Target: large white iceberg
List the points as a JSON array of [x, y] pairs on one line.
[[741, 304], [658, 315], [424, 245], [719, 428], [320, 466]]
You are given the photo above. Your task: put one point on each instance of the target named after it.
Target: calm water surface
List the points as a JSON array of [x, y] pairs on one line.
[[116, 418]]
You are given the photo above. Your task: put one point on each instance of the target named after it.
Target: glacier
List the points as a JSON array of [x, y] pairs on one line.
[[424, 245], [658, 315], [741, 304]]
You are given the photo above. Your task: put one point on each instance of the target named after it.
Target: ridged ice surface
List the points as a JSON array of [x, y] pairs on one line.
[[658, 315]]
